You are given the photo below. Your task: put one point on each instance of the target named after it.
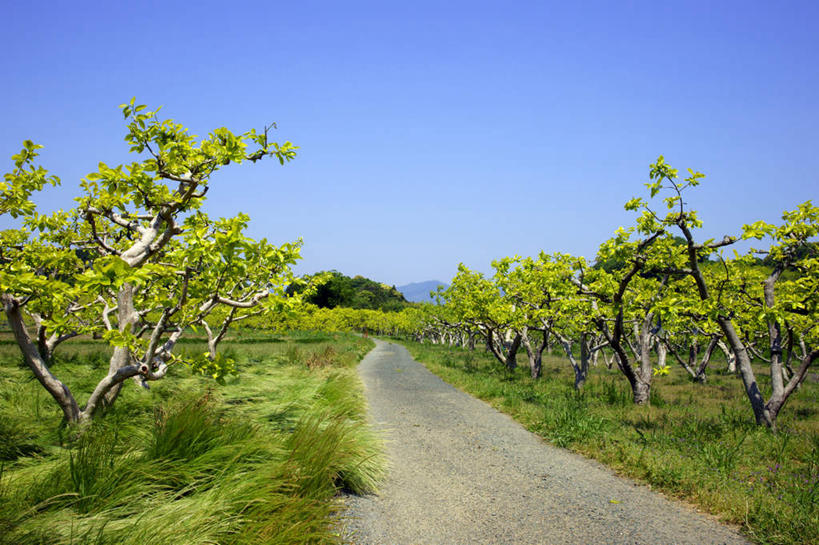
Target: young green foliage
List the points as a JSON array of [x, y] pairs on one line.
[[744, 303], [137, 262]]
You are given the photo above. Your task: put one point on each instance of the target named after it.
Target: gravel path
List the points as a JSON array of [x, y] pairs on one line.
[[463, 473]]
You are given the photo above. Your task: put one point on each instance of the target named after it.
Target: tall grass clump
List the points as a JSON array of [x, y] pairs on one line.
[[568, 421], [179, 466], [335, 452], [186, 429]]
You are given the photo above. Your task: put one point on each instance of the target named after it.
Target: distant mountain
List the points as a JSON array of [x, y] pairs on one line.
[[418, 292]]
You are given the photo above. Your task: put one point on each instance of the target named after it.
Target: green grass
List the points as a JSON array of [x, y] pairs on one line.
[[259, 460], [697, 442]]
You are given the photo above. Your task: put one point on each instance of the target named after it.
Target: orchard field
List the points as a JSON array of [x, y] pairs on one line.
[[682, 362], [144, 397]]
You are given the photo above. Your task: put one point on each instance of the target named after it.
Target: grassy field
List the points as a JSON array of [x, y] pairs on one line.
[[697, 442], [259, 460]]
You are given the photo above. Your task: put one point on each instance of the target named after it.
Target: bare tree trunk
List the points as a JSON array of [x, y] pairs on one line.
[[497, 348], [127, 317], [512, 355], [730, 358], [726, 325], [777, 401], [610, 360], [635, 348], [787, 370], [662, 353], [535, 367], [641, 388], [580, 378], [706, 359], [685, 365], [641, 392], [581, 369], [746, 371], [59, 391]]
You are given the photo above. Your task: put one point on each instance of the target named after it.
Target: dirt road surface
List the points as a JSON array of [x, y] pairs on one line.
[[463, 473]]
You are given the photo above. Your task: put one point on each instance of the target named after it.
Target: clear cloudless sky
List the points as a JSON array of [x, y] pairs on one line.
[[435, 132]]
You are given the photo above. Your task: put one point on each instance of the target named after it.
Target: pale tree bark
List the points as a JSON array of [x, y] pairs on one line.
[[610, 359], [47, 344], [695, 371], [764, 412], [72, 412], [642, 388], [535, 353], [590, 347], [127, 318], [505, 354], [743, 358], [640, 378], [38, 365], [662, 353], [730, 358], [581, 368], [781, 390]]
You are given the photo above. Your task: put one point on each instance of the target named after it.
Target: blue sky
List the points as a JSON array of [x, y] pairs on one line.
[[435, 132]]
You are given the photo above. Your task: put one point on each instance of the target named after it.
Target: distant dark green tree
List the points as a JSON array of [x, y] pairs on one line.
[[357, 292]]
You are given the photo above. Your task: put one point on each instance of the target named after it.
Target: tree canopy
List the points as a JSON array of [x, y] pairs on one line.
[[338, 290], [137, 262]]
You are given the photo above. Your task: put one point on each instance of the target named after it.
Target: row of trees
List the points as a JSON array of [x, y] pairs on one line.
[[655, 291], [309, 317], [138, 263]]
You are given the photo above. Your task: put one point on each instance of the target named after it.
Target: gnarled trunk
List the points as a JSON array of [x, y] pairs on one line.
[[730, 358], [535, 364], [127, 318], [585, 358], [512, 354], [72, 413], [535, 353], [55, 387], [761, 415], [503, 352], [641, 392], [641, 387]]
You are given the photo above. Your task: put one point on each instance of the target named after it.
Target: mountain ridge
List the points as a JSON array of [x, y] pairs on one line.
[[418, 292]]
